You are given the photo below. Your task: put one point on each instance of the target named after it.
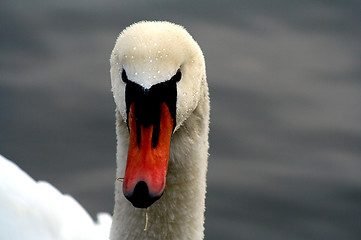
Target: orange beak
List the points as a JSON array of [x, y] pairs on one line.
[[147, 163]]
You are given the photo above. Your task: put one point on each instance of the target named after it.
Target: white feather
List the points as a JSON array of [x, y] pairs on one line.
[[36, 210]]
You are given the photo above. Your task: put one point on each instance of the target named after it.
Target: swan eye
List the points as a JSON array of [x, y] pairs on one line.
[[124, 76], [178, 76]]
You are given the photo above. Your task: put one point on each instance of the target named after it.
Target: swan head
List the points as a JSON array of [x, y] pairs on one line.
[[157, 70]]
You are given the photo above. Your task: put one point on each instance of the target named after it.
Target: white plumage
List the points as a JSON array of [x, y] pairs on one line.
[[34, 210], [150, 53]]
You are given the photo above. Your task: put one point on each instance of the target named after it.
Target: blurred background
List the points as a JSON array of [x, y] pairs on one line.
[[285, 83]]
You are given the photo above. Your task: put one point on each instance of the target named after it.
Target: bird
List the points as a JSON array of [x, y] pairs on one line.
[[159, 85], [36, 210]]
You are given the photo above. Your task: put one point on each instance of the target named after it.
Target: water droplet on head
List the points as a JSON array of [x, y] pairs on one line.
[[134, 48], [132, 57], [136, 74], [150, 60], [158, 71], [126, 56]]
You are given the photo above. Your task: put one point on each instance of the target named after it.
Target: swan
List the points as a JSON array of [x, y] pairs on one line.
[[158, 80], [34, 210], [159, 85]]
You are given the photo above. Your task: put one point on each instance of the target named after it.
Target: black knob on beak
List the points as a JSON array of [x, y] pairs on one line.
[[140, 197]]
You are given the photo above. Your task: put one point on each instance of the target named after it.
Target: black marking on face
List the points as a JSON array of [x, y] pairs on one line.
[[148, 103], [124, 76]]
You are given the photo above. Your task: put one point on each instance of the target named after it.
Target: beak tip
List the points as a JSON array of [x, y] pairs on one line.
[[141, 197]]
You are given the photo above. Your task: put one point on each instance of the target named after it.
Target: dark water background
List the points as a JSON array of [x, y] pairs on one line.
[[285, 83]]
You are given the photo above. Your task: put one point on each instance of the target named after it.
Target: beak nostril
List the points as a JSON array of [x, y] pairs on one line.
[[141, 197]]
